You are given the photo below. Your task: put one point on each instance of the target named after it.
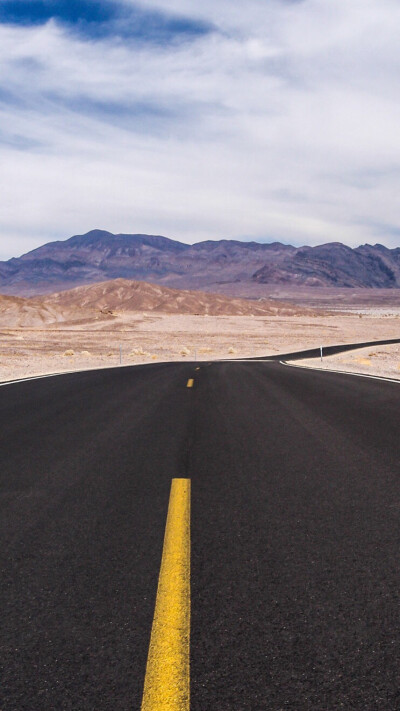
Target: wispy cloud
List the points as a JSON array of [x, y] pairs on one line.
[[273, 120]]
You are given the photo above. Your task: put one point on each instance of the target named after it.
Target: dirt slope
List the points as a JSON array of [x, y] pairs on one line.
[[104, 301], [19, 313], [125, 295]]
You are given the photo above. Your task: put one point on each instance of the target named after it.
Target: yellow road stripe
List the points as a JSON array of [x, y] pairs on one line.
[[190, 383], [167, 682]]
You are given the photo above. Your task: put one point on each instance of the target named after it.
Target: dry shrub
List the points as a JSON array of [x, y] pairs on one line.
[[154, 357], [86, 353], [231, 350], [185, 351], [138, 352], [69, 352], [205, 350], [363, 361]]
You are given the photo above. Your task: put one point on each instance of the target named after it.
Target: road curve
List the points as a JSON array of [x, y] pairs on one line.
[[295, 532]]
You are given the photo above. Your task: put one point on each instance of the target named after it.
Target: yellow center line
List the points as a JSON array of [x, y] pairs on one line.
[[190, 383], [167, 681]]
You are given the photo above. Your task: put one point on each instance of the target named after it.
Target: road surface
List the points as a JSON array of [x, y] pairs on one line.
[[295, 536]]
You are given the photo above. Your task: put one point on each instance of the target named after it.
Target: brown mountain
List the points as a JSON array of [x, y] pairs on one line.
[[16, 312], [36, 312], [106, 300], [99, 256], [122, 295]]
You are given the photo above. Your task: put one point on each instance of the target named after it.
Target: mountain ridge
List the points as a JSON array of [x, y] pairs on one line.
[[101, 256]]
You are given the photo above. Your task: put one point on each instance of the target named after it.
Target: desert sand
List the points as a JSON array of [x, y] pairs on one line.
[[155, 337], [383, 361], [121, 321]]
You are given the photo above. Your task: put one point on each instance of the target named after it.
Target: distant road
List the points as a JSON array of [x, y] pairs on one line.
[[295, 579], [332, 350]]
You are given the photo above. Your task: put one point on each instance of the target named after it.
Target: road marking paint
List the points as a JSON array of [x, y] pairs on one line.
[[167, 681], [198, 368], [341, 372], [190, 383], [256, 359]]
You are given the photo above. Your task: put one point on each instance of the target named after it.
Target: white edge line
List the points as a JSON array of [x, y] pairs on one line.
[[107, 367], [72, 372], [228, 360], [256, 359], [113, 367], [342, 372]]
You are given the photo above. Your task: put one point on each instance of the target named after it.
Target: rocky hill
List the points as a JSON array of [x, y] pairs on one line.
[[17, 312], [107, 301], [99, 256], [122, 295]]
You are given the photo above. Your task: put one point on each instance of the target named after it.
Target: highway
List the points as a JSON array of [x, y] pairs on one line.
[[294, 526]]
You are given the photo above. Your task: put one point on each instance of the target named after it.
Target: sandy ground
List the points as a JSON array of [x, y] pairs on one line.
[[383, 361], [146, 338]]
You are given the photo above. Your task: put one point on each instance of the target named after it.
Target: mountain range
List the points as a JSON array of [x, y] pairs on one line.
[[100, 256]]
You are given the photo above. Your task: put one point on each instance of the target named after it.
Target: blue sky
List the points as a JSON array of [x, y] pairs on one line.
[[95, 19], [260, 120]]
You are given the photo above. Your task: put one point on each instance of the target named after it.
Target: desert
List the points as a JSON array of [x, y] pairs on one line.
[[129, 322], [383, 361]]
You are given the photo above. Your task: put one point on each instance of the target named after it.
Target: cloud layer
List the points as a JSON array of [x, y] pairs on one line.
[[274, 120]]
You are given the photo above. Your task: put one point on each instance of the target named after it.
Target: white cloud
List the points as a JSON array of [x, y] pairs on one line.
[[283, 124]]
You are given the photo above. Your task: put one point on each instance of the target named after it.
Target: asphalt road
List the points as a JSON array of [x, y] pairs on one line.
[[295, 536]]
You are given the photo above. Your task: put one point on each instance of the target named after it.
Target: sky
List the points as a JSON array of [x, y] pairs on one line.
[[253, 119]]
